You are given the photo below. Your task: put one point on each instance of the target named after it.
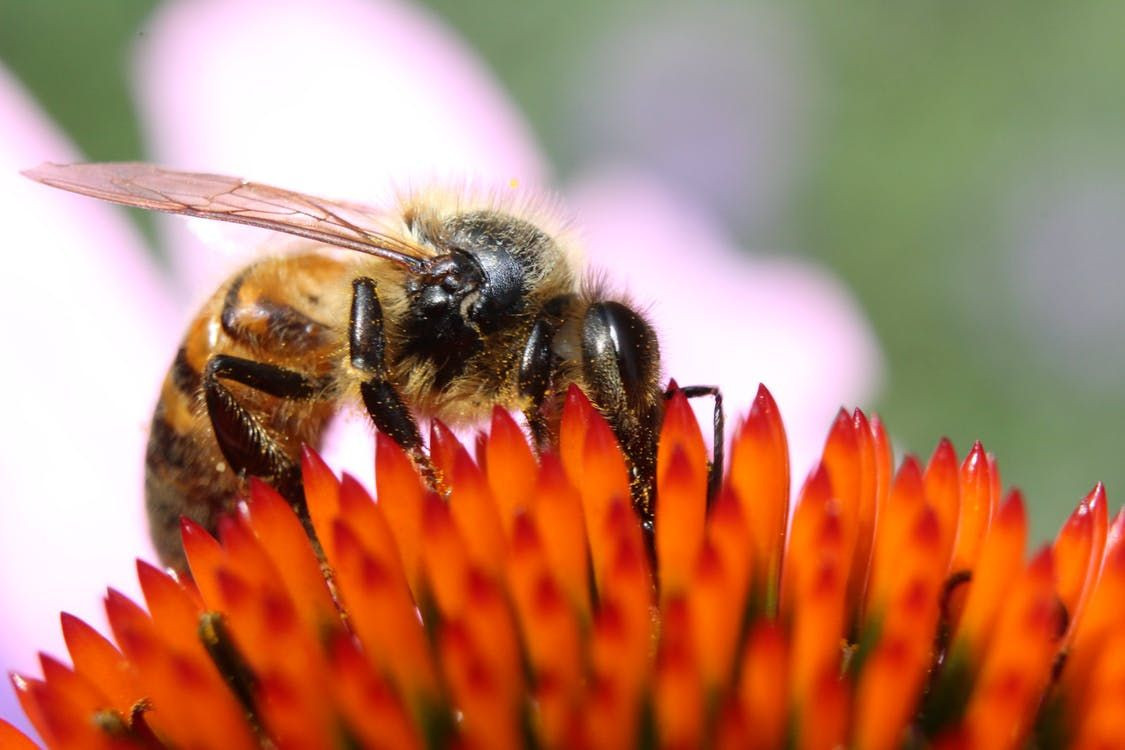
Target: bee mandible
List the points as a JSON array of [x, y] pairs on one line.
[[446, 306]]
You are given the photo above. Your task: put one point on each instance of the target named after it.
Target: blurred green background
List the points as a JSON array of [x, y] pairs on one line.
[[960, 165]]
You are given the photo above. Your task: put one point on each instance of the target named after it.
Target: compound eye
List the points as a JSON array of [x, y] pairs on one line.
[[620, 354]]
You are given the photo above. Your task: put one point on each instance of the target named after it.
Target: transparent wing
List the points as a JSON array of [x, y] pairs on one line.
[[210, 196]]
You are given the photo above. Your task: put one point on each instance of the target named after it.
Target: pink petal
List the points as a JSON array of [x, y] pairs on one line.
[[728, 318], [342, 98], [86, 336]]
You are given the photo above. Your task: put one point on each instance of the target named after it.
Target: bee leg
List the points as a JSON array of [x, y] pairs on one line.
[[536, 365], [245, 443], [367, 345], [715, 472]]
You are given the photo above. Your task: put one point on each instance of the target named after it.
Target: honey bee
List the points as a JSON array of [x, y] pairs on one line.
[[442, 309]]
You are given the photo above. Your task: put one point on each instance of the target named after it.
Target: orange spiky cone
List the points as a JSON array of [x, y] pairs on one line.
[[520, 607]]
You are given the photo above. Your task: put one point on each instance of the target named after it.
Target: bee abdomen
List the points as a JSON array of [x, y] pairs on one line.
[[212, 428], [252, 315], [184, 476], [185, 378]]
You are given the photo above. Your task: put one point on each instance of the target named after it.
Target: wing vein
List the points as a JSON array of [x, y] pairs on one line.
[[232, 199]]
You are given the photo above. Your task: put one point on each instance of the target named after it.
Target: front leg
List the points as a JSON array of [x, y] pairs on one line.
[[368, 343]]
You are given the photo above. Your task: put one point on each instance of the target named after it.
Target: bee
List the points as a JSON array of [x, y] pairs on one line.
[[438, 308]]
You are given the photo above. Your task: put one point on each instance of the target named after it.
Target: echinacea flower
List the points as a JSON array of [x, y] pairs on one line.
[[342, 98], [522, 608]]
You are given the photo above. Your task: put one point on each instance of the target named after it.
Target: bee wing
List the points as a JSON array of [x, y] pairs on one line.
[[211, 196]]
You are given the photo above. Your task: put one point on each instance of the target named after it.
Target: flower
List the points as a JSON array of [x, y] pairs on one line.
[[338, 98], [529, 607]]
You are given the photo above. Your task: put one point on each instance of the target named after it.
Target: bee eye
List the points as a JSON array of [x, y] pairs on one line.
[[620, 353]]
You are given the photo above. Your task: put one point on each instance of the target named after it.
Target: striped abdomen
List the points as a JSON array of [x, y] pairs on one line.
[[286, 312]]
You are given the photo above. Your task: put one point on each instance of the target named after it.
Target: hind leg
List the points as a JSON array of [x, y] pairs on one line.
[[248, 446]]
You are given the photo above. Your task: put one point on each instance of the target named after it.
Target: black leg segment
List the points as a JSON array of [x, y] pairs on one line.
[[245, 443], [264, 377], [367, 342], [535, 377], [366, 339], [715, 474], [390, 413], [538, 365]]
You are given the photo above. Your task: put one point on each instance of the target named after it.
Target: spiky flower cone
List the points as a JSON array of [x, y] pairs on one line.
[[895, 608]]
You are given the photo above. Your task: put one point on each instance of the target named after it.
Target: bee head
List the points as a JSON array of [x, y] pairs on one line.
[[500, 257]]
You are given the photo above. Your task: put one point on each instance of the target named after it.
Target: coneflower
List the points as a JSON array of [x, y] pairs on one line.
[[895, 608]]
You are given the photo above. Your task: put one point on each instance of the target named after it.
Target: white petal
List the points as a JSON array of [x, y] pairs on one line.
[[725, 317], [86, 342], [341, 98]]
